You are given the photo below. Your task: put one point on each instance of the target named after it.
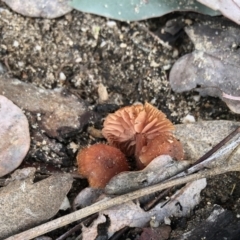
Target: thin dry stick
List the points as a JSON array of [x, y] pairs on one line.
[[100, 206]]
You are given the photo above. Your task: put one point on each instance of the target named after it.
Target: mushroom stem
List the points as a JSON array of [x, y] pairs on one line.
[[140, 143]]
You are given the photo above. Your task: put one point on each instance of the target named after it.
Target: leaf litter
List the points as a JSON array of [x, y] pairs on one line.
[[190, 146], [211, 69]]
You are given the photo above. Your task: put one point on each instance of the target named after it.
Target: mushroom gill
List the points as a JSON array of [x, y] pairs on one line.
[[132, 128]]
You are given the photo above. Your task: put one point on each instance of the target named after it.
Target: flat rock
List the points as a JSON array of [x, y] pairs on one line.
[[61, 113], [25, 205]]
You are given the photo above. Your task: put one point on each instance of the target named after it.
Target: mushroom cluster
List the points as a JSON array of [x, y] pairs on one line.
[[142, 131], [139, 130]]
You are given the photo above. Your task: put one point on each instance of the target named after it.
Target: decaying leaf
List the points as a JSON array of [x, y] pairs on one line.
[[86, 197], [132, 215], [229, 8], [14, 135], [24, 204], [214, 65], [158, 170], [136, 10], [61, 112], [40, 8]]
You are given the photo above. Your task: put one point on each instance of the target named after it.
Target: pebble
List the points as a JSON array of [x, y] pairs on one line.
[[189, 119], [62, 76]]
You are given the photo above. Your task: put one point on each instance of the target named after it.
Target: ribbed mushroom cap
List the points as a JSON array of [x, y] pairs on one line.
[[99, 163], [130, 128], [161, 145]]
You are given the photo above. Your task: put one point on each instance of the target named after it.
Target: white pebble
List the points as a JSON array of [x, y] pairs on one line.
[[38, 48], [78, 60], [196, 98], [62, 76], [65, 204], [123, 45], [175, 53], [153, 222], [111, 23], [189, 119], [166, 67], [20, 64], [167, 221], [102, 93], [16, 44]]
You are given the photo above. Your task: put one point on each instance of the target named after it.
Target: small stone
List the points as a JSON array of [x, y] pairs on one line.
[[154, 223], [62, 76], [189, 119], [38, 48], [102, 93], [167, 221], [123, 45], [196, 98], [111, 24], [16, 44]]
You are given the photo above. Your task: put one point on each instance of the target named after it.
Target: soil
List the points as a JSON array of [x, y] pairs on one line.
[[79, 51]]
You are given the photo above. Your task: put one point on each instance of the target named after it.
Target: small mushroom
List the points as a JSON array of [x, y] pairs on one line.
[[132, 128], [99, 163], [161, 145]]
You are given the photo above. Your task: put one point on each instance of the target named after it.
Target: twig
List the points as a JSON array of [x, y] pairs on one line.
[[100, 206], [219, 145]]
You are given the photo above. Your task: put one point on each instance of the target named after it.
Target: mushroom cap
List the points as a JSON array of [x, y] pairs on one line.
[[122, 127], [161, 145], [99, 163]]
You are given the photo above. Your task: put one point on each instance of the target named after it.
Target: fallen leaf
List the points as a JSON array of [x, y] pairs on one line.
[[25, 205], [229, 8], [86, 197], [158, 170], [136, 10], [214, 65], [14, 134], [132, 215], [40, 8]]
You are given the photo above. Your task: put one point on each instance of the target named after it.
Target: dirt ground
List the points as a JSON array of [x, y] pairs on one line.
[[79, 51]]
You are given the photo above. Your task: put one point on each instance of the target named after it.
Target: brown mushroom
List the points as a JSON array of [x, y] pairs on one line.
[[161, 145], [132, 128], [99, 163]]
